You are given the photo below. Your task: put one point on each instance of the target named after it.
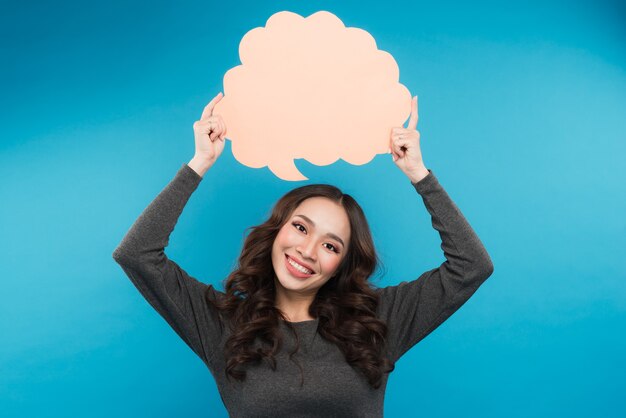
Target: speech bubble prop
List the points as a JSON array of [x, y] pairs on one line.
[[311, 88]]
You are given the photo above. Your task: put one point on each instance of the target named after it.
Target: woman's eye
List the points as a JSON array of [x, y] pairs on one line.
[[298, 225], [334, 249]]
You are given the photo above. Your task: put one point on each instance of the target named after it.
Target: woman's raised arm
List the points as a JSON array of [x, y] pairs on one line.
[[414, 309], [174, 294]]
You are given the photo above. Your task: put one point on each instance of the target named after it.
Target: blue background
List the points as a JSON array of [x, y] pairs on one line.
[[522, 115]]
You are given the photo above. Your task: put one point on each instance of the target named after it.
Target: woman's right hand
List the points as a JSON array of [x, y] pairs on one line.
[[210, 133]]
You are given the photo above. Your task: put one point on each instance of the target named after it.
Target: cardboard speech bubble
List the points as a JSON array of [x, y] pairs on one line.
[[311, 88]]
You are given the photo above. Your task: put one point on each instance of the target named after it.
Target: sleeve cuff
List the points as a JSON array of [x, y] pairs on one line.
[[187, 178], [429, 182]]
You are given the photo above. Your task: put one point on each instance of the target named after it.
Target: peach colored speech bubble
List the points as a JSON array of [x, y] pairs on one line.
[[311, 88]]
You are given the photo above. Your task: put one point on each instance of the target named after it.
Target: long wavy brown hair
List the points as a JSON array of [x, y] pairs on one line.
[[345, 305]]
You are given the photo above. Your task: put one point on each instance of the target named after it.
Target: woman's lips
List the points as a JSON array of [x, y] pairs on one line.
[[300, 262], [295, 271]]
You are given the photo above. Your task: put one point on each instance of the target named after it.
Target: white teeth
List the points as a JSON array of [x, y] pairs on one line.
[[299, 267]]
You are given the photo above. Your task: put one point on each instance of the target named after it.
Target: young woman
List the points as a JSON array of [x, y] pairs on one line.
[[299, 330]]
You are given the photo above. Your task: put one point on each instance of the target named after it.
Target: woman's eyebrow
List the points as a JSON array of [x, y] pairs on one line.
[[330, 234]]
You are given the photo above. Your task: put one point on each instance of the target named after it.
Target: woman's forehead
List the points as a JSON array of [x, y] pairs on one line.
[[320, 206]]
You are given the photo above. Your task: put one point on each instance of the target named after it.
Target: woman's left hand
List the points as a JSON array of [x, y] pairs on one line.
[[405, 148]]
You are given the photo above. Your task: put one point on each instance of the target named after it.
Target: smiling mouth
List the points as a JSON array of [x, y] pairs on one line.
[[296, 271]]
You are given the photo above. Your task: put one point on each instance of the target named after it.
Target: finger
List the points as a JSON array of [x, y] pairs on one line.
[[202, 126], [217, 126], [213, 129], [400, 146], [210, 125], [414, 117], [402, 135], [214, 123], [392, 150], [395, 149], [222, 128], [208, 109], [406, 134]]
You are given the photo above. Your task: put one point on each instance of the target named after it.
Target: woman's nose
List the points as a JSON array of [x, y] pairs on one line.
[[307, 249]]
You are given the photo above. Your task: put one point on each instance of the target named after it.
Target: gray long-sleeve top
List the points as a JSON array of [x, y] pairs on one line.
[[332, 388]]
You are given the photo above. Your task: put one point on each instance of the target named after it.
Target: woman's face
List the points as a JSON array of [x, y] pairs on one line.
[[316, 236]]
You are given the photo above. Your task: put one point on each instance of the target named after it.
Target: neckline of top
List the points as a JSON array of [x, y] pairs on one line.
[[308, 321]]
